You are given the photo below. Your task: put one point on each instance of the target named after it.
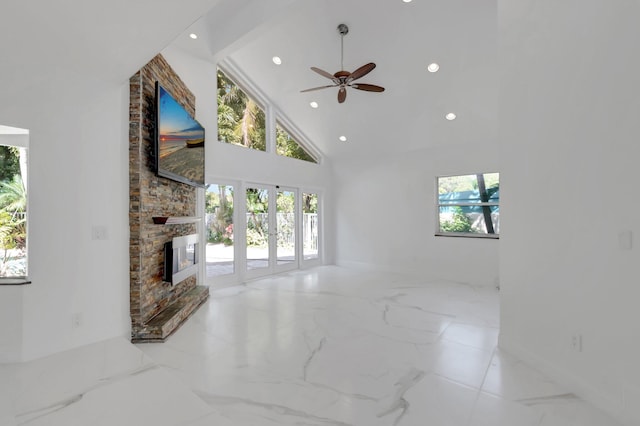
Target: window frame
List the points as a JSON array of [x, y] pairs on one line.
[[317, 260], [438, 205], [286, 126], [22, 143], [252, 95], [273, 116]]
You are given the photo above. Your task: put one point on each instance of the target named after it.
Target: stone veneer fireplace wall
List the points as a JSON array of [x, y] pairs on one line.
[[157, 308]]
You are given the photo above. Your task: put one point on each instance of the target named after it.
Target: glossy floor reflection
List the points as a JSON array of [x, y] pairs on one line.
[[330, 346]]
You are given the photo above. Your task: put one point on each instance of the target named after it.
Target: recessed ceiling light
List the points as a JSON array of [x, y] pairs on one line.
[[433, 67], [314, 104], [450, 116], [193, 36], [407, 1], [276, 60], [343, 138]]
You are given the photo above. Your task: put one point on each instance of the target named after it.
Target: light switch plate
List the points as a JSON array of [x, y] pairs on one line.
[[98, 232], [625, 240]]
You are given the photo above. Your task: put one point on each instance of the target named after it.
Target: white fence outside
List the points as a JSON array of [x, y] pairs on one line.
[[286, 229]]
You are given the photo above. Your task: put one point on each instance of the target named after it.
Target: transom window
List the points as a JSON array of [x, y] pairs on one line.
[[241, 121], [469, 205], [287, 146]]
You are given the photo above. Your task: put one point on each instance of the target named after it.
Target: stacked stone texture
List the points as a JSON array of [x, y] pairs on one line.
[[150, 196]]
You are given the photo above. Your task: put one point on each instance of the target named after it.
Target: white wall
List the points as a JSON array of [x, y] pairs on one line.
[[78, 178], [570, 101], [386, 217], [10, 323]]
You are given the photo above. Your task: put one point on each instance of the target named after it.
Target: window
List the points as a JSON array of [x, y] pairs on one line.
[[309, 226], [258, 212], [241, 121], [219, 230], [13, 205], [285, 227], [469, 205], [245, 122], [288, 147]]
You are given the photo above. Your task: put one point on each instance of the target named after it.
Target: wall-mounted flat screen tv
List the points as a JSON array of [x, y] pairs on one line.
[[179, 145]]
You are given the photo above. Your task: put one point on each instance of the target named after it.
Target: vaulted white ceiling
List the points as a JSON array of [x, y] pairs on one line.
[[401, 38], [61, 49]]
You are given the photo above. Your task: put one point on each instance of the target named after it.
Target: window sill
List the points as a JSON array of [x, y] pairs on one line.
[[14, 281], [461, 235]]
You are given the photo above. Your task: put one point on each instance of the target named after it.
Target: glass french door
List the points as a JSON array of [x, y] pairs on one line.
[[220, 251], [271, 222], [253, 230], [286, 247], [258, 240], [310, 226]]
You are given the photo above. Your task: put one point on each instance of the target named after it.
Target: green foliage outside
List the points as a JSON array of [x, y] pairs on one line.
[[257, 222], [309, 203], [256, 236], [240, 120], [288, 147], [459, 223], [285, 202], [257, 225], [13, 209], [9, 162], [220, 204], [467, 183], [285, 207]]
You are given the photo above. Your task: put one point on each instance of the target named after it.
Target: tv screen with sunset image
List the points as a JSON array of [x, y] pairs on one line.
[[179, 141]]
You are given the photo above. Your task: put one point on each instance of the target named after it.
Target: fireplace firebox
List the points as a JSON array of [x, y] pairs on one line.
[[180, 258]]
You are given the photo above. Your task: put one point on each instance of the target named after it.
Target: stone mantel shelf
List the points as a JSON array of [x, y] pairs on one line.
[[175, 220]]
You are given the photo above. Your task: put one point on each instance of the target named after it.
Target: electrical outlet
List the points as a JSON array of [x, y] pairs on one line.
[[576, 342], [77, 320]]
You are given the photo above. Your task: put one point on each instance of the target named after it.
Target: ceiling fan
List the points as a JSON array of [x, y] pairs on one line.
[[343, 79]]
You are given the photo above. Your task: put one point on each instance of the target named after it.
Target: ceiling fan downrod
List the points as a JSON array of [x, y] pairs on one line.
[[343, 30]]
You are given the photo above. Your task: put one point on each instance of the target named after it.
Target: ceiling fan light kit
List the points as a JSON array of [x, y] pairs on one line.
[[343, 79]]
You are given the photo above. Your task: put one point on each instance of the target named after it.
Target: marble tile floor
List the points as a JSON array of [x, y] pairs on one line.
[[325, 347]]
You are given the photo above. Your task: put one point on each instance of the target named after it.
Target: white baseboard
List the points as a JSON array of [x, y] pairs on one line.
[[415, 272], [614, 405]]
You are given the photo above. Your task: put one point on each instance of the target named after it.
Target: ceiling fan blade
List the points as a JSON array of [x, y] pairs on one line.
[[362, 71], [317, 88], [342, 95], [368, 87], [323, 73]]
